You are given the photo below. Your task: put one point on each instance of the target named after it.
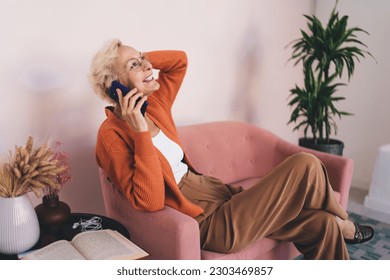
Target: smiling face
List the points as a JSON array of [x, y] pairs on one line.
[[134, 71]]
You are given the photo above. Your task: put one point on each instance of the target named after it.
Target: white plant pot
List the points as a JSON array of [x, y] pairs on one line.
[[19, 226]]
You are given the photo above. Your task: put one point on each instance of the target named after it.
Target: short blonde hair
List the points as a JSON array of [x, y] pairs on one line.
[[102, 71]]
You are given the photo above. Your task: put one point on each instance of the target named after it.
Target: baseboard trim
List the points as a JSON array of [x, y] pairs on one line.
[[377, 204], [360, 184]]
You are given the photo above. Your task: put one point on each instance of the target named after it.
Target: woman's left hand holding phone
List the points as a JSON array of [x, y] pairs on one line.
[[131, 109]]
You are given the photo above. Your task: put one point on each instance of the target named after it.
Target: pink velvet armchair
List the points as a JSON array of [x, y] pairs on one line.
[[237, 153]]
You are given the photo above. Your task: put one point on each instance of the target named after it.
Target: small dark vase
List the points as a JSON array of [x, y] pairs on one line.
[[52, 213]]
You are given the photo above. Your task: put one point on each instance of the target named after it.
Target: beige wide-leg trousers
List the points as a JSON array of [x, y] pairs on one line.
[[294, 202]]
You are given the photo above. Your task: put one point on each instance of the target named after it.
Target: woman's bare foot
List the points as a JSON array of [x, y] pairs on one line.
[[347, 228], [355, 233]]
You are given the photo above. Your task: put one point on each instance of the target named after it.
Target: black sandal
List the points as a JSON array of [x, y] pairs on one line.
[[362, 234]]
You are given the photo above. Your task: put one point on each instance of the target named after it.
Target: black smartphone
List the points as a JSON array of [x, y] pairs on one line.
[[113, 94]]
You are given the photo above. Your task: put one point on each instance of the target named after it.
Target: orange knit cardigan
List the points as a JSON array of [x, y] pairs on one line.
[[130, 159]]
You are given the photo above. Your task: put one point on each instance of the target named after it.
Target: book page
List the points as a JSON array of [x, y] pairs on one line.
[[106, 244], [59, 250]]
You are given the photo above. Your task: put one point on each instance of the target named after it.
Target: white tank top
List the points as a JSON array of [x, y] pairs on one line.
[[172, 152]]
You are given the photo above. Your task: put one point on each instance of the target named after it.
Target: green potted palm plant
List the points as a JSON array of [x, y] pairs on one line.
[[326, 53]]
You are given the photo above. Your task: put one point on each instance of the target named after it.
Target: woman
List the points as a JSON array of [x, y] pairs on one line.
[[143, 157]]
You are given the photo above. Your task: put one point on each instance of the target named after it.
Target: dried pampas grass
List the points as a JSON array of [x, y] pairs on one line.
[[30, 169]]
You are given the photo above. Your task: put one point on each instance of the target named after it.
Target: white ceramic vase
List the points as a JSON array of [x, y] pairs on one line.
[[19, 226]]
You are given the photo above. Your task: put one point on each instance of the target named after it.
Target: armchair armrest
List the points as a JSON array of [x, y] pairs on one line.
[[165, 234], [340, 169]]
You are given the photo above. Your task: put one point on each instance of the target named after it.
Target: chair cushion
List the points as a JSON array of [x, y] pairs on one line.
[[263, 249]]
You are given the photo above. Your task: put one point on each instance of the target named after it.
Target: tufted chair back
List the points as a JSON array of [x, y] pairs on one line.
[[231, 151]]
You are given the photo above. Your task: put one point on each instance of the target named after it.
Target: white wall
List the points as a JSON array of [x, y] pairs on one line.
[[367, 95], [237, 64]]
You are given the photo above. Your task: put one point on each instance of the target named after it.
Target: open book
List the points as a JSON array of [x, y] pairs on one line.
[[103, 244]]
